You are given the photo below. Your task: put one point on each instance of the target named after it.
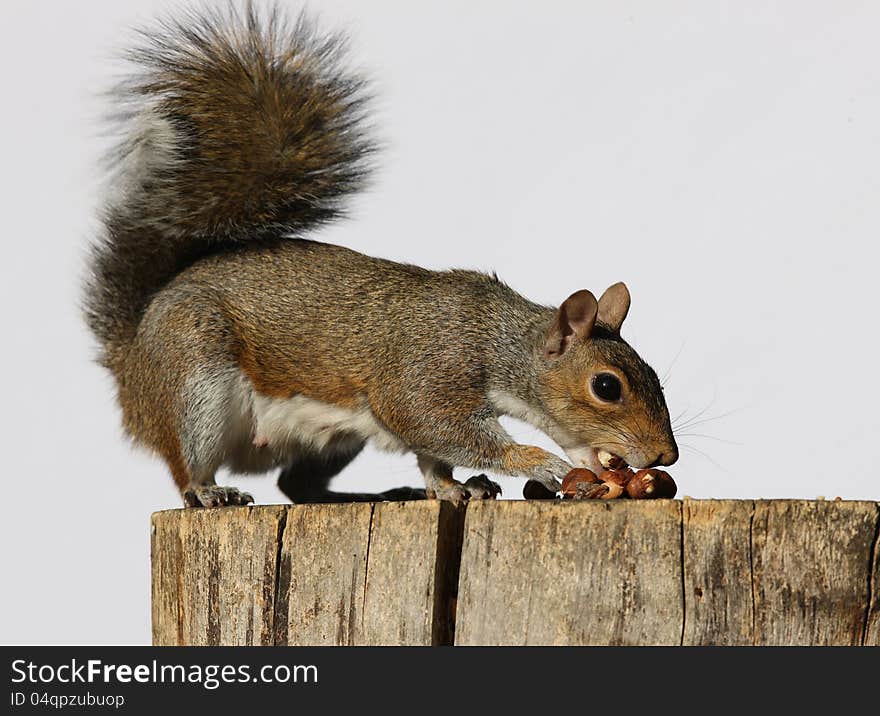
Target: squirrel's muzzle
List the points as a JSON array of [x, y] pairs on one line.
[[668, 457]]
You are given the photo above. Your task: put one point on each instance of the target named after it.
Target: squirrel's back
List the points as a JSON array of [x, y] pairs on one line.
[[237, 127]]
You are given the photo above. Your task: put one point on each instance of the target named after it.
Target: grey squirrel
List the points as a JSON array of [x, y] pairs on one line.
[[235, 341]]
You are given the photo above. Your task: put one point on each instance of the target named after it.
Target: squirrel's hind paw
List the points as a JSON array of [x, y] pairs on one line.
[[481, 487], [215, 496], [478, 487]]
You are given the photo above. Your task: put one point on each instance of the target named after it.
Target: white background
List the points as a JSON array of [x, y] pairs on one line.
[[721, 158]]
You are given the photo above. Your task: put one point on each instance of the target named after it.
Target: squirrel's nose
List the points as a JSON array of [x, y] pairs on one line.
[[666, 458]]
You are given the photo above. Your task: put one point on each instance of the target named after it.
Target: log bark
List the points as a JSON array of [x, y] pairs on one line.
[[543, 572], [717, 551], [571, 573], [350, 574], [215, 576], [811, 571]]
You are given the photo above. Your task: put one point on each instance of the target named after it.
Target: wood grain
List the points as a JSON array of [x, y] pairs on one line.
[[811, 571], [872, 622], [554, 572], [343, 574], [402, 582], [717, 572], [214, 575], [321, 574], [542, 572]]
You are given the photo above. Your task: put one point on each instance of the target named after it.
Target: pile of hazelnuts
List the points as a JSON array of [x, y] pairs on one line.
[[618, 480]]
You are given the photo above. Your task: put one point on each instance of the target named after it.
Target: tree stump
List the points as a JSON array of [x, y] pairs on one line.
[[692, 572]]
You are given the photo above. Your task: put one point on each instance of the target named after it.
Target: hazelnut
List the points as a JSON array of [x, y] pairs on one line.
[[534, 490], [610, 461], [576, 476], [651, 484], [618, 477], [591, 491], [614, 491], [582, 484]]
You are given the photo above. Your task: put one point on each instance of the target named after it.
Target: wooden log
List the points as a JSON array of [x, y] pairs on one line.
[[321, 574], [811, 568], [561, 572], [668, 572], [214, 575], [872, 624], [362, 574], [544, 572], [716, 537], [306, 574]]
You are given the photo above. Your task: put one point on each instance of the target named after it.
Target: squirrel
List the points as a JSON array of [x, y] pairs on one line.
[[237, 341]]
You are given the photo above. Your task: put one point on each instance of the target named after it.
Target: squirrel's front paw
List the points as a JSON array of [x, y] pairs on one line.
[[550, 473], [548, 479], [215, 496]]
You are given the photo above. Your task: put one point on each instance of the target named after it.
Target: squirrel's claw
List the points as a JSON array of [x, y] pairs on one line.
[[480, 487], [453, 492], [215, 496], [549, 482]]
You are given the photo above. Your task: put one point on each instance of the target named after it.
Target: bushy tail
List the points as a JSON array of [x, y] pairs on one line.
[[237, 126]]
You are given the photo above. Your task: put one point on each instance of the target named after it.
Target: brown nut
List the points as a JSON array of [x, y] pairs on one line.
[[576, 476], [618, 477], [590, 491], [614, 491], [534, 490], [610, 461], [651, 484]]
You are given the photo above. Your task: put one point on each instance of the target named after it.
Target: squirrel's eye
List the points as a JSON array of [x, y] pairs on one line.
[[607, 387]]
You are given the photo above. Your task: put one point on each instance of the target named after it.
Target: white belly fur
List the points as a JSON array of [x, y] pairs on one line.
[[303, 422]]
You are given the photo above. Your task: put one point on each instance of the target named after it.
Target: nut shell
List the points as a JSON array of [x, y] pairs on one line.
[[576, 476], [651, 484], [590, 491], [583, 484], [614, 491], [617, 477], [610, 461]]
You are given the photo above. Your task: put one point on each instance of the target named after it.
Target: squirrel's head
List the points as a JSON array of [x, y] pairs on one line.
[[596, 387]]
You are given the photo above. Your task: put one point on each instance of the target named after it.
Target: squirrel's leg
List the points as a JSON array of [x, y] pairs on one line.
[[488, 447], [307, 478], [181, 393], [196, 480], [440, 484], [211, 495], [208, 403], [472, 440], [308, 475], [531, 462], [201, 490]]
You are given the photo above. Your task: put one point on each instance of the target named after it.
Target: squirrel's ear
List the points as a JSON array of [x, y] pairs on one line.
[[574, 321], [614, 305]]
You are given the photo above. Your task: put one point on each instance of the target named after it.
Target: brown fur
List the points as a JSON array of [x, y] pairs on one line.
[[198, 291]]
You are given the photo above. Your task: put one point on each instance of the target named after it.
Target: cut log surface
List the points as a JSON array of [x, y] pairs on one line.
[[693, 572]]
